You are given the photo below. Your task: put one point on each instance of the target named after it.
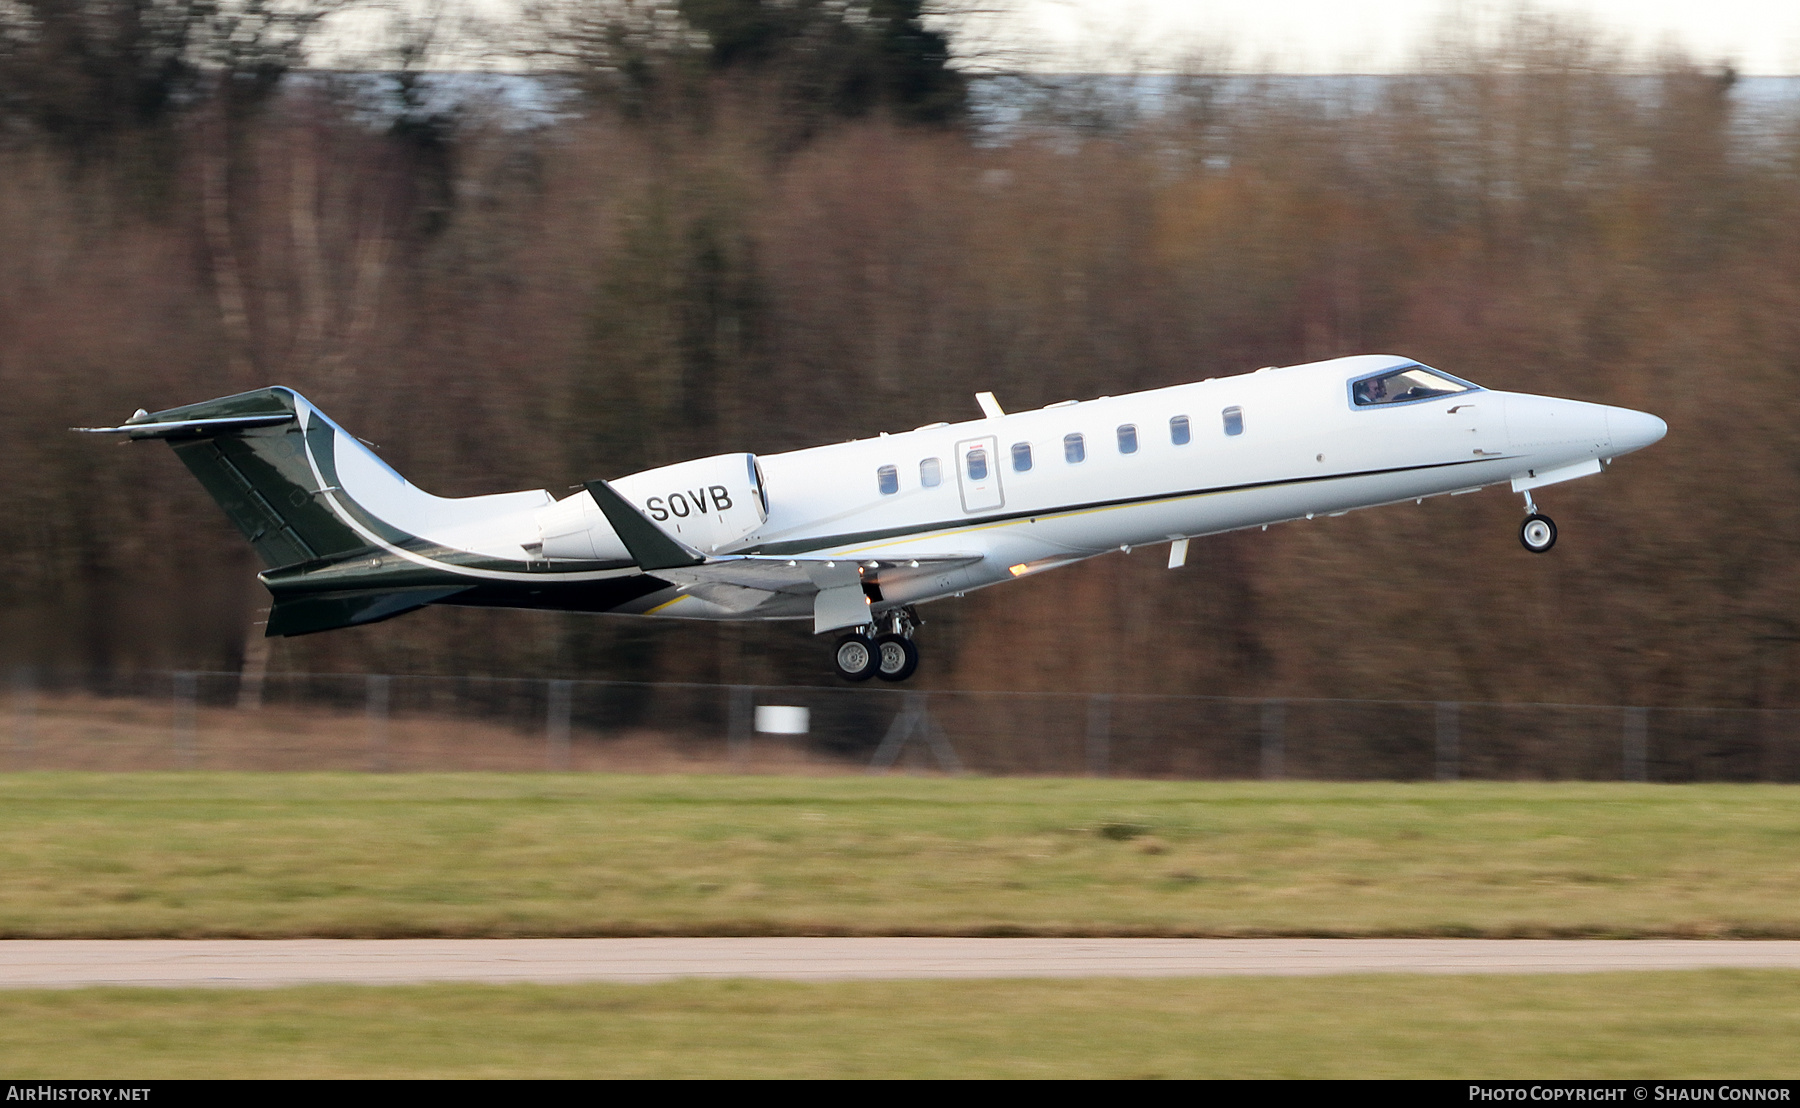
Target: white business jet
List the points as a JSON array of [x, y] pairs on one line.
[[856, 535]]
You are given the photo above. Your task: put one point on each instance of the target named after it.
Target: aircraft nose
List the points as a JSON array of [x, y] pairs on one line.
[[1633, 430]]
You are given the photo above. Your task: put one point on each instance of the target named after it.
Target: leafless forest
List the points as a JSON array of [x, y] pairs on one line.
[[721, 256]]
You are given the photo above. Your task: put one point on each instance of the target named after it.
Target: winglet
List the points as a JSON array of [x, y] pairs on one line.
[[649, 545]]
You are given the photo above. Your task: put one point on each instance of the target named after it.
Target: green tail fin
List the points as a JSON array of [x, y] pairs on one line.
[[259, 474]]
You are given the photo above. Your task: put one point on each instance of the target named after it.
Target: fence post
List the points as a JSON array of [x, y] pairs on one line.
[[184, 693], [915, 718], [1274, 713], [24, 714], [255, 665], [1099, 735], [378, 722], [739, 715], [1449, 740], [557, 711], [1637, 742]]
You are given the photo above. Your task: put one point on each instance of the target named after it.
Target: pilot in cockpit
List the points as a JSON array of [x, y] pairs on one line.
[[1403, 385], [1372, 391]]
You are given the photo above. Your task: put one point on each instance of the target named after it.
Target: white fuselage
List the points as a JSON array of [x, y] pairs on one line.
[[911, 517], [1300, 449]]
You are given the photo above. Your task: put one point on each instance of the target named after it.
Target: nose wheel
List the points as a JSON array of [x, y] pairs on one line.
[[1538, 533]]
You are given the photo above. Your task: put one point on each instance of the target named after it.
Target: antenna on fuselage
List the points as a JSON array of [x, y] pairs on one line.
[[990, 408]]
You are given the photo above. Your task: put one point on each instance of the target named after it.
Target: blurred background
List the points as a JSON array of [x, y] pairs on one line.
[[576, 239]]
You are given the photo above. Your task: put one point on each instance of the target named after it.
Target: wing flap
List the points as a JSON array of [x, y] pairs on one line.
[[732, 598], [840, 587], [843, 606]]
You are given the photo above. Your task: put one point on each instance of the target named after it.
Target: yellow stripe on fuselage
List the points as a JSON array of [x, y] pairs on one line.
[[1047, 514]]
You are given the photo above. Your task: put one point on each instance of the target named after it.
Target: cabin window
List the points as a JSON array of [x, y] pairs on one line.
[[1128, 438], [1403, 385], [1021, 454], [931, 473], [1179, 432], [887, 478], [976, 461], [1074, 450], [1234, 421]]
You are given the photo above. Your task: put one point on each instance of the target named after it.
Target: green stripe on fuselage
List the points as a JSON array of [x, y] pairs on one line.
[[322, 442]]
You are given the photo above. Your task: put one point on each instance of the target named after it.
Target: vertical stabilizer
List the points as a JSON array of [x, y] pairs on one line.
[[249, 452]]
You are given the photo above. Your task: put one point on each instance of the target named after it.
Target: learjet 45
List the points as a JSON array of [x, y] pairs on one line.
[[854, 536]]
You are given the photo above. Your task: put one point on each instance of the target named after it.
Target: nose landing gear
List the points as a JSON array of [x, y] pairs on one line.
[[1538, 533], [871, 652]]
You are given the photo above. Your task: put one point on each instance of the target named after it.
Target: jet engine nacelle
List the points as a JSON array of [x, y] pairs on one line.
[[708, 503]]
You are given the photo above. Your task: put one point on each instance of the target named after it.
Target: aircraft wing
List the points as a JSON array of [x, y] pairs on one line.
[[840, 587]]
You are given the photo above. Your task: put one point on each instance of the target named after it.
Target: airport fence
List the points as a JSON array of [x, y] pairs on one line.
[[383, 722]]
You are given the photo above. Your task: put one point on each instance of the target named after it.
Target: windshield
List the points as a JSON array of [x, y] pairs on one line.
[[1397, 386]]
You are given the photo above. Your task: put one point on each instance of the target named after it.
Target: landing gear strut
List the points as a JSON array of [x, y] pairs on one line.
[[882, 649], [1538, 533]]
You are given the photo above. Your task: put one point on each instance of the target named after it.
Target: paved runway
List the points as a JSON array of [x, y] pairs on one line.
[[33, 963]]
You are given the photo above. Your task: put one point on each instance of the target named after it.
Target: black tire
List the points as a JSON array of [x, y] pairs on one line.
[[1538, 533], [854, 658], [895, 657]]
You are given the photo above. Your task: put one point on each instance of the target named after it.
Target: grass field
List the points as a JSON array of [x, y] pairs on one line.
[[166, 854], [1694, 1024]]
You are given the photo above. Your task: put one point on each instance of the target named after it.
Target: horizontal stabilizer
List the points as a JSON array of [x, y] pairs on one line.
[[649, 545], [178, 427], [302, 615]]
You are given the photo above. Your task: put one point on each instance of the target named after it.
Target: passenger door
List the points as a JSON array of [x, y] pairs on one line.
[[978, 474]]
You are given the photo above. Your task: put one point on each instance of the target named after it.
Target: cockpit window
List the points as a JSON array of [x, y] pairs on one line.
[[1403, 385]]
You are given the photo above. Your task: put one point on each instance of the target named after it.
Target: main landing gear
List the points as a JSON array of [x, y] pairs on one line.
[[1538, 533], [872, 652]]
